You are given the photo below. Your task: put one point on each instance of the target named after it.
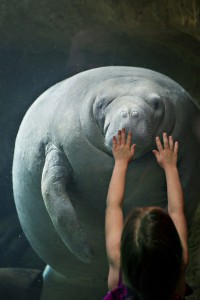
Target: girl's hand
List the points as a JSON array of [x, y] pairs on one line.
[[122, 149], [166, 156]]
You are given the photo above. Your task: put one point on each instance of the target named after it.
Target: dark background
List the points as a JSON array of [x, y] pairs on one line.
[[43, 42]]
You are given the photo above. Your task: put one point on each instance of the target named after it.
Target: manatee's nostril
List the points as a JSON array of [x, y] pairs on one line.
[[134, 113], [124, 113]]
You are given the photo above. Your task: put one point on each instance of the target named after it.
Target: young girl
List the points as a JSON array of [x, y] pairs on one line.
[[148, 254]]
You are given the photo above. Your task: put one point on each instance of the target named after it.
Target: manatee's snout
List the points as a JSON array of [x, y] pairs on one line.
[[136, 116], [123, 118], [134, 120]]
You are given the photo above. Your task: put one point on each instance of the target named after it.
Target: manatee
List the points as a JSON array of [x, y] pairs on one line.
[[63, 164]]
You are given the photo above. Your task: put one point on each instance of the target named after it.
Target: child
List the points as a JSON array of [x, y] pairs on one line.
[[148, 254]]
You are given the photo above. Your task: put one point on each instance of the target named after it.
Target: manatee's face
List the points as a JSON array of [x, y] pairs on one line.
[[142, 107]]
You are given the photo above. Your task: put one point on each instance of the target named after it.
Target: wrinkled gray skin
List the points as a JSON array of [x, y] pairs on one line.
[[63, 163]]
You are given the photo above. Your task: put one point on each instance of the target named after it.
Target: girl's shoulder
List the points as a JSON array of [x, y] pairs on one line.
[[121, 292], [176, 296], [124, 293], [188, 292]]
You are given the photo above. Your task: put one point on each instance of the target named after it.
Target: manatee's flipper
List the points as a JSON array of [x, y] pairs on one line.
[[56, 178], [20, 284]]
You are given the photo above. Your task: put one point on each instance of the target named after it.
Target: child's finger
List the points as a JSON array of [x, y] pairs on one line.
[[156, 153], [129, 138], [123, 136], [119, 137], [158, 143], [171, 143], [133, 149], [165, 141], [176, 148], [114, 141]]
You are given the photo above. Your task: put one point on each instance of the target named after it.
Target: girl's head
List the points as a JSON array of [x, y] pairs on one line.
[[151, 253]]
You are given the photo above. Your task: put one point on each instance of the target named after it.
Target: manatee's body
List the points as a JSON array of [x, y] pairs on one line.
[[63, 163]]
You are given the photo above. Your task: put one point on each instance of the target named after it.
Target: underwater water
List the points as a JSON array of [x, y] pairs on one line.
[[43, 44]]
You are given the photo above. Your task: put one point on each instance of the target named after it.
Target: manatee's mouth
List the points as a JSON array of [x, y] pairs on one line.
[[139, 151], [143, 145]]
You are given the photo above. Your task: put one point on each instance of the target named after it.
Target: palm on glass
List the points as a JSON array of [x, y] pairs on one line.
[[122, 148], [167, 154]]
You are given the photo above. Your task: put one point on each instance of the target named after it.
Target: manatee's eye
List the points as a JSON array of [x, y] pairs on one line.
[[155, 102], [100, 105], [99, 109]]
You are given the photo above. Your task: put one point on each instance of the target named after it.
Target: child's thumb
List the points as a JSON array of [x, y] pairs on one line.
[[133, 148], [155, 152]]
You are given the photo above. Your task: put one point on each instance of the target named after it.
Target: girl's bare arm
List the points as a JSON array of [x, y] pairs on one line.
[[122, 152], [167, 158]]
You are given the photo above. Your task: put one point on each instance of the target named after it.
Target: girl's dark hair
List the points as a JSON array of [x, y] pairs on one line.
[[151, 254]]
